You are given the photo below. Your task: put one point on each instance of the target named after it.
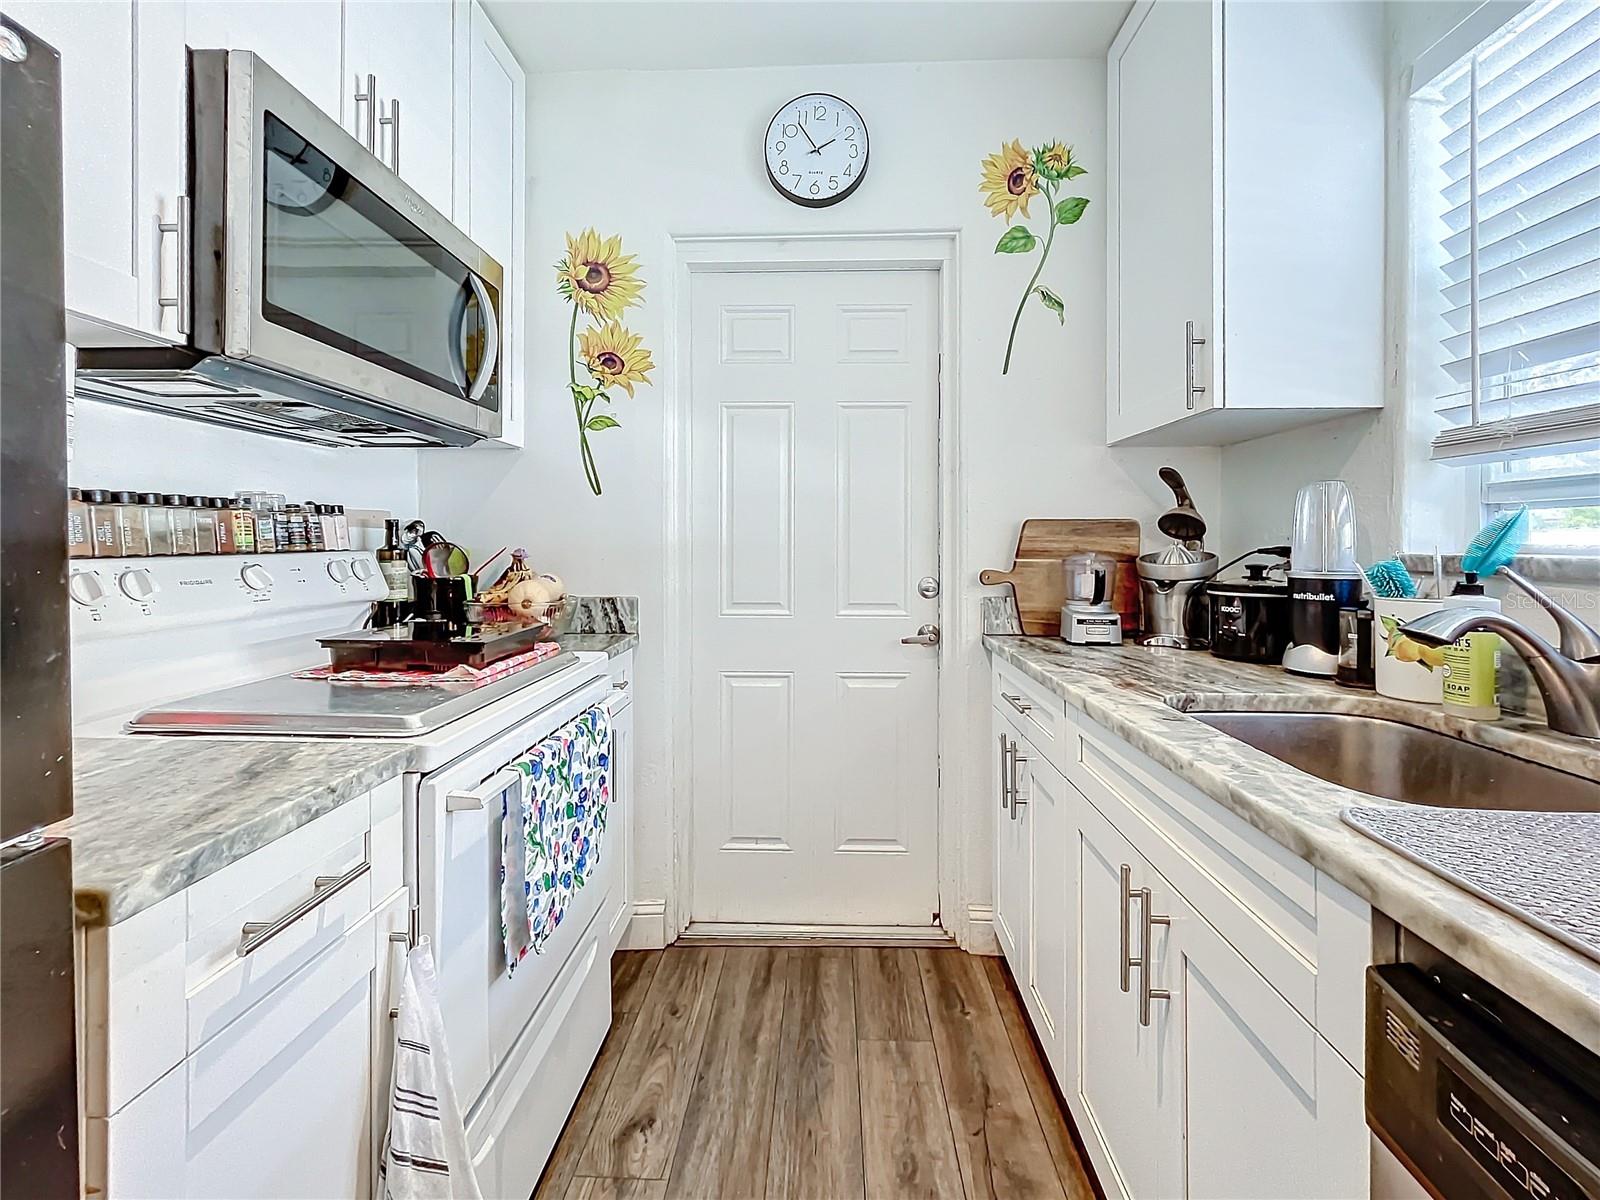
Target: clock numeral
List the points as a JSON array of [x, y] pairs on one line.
[[791, 130], [849, 169], [797, 182], [780, 147], [855, 150], [833, 183], [849, 132], [816, 188], [821, 112], [783, 167]]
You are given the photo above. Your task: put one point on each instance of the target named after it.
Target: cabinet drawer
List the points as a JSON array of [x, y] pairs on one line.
[[620, 669], [275, 891], [1037, 714]]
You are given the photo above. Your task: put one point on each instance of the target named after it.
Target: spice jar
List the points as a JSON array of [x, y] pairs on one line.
[[129, 525], [237, 515], [158, 521], [79, 542], [299, 531], [266, 527], [219, 512], [102, 523], [330, 530], [205, 525], [341, 525], [314, 538], [181, 517]]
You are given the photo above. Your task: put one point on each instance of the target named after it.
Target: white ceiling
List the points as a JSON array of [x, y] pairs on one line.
[[665, 35]]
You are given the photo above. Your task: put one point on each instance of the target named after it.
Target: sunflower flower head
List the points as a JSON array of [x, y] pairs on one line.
[[1009, 181], [615, 355], [1053, 161], [597, 277]]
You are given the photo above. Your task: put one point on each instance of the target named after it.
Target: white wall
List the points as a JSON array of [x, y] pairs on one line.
[[650, 155], [114, 447]]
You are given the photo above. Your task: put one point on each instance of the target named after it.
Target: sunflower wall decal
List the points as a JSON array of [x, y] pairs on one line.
[[1012, 178], [600, 282]]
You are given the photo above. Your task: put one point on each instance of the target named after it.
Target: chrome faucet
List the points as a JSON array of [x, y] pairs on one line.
[[1568, 677]]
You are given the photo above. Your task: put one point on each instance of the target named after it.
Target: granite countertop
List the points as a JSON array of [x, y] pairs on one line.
[[153, 815], [1138, 693], [609, 644]]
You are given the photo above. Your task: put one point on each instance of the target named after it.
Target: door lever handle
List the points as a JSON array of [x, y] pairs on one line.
[[926, 635]]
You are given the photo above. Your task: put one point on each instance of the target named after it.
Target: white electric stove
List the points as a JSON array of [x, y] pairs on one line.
[[207, 646]]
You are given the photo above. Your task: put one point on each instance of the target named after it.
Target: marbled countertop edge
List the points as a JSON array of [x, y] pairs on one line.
[[1137, 694]]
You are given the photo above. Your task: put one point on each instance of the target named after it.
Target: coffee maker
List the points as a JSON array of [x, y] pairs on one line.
[[1324, 576]]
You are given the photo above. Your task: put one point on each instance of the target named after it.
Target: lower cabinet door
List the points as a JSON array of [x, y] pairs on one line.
[[619, 828], [279, 1102], [1011, 848], [390, 927], [1272, 1109], [1131, 1128], [1049, 816]]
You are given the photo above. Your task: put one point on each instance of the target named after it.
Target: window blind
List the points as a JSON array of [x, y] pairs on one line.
[[1519, 242]]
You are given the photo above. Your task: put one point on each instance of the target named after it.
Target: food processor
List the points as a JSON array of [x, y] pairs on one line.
[[1088, 617]]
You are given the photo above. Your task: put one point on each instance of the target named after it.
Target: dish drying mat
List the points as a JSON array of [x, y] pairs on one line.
[[1541, 867], [459, 674]]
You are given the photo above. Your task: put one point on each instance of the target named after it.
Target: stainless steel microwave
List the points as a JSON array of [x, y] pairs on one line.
[[320, 297]]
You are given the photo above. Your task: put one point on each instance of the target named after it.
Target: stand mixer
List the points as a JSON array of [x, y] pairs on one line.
[[1172, 582]]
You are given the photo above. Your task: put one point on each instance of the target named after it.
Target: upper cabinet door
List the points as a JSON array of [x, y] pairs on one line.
[[293, 37], [1165, 175], [408, 50], [98, 106], [491, 200]]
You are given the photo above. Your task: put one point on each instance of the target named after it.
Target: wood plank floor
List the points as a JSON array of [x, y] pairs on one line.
[[810, 1073]]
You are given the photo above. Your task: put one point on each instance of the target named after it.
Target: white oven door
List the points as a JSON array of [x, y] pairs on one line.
[[458, 890]]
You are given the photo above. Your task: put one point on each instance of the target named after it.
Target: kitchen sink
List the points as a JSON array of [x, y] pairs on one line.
[[1402, 762]]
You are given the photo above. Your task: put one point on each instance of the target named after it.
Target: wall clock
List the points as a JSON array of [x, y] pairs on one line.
[[816, 150]]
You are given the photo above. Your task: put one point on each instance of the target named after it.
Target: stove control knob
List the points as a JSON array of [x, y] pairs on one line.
[[138, 585], [363, 568], [338, 570], [86, 589], [255, 577]]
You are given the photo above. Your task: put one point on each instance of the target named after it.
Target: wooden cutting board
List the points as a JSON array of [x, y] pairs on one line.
[[1037, 580]]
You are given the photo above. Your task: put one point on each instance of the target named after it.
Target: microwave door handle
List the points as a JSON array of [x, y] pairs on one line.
[[480, 382]]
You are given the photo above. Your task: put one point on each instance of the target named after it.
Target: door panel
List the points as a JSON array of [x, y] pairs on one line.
[[1049, 815], [1010, 858], [277, 30], [408, 49], [815, 487], [1164, 204]]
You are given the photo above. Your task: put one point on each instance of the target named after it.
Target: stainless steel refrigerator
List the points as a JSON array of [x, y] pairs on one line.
[[38, 1084]]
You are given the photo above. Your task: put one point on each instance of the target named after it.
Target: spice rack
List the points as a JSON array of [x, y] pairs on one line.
[[126, 524]]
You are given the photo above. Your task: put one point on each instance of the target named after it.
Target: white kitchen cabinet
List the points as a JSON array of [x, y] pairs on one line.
[[1245, 166], [296, 38], [408, 51], [1245, 1062], [618, 912], [121, 124], [1050, 818], [1011, 849], [390, 930], [491, 198], [1128, 1122]]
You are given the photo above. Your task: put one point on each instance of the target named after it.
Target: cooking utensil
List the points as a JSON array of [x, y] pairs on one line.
[[1182, 522], [1036, 577]]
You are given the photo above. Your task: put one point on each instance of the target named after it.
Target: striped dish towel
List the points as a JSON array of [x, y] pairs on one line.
[[425, 1155]]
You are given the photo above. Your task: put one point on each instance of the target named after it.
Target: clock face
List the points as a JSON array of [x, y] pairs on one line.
[[816, 150]]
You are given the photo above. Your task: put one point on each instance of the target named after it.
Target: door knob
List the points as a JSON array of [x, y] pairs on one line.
[[926, 635]]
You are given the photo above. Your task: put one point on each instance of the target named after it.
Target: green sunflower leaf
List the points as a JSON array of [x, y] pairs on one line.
[[1016, 240], [603, 422], [1070, 209], [1074, 171], [1053, 302], [582, 393]]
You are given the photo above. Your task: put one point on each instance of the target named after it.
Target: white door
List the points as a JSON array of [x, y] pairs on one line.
[[815, 400]]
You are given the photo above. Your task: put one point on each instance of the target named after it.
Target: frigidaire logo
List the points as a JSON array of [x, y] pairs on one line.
[[196, 582], [1315, 596]]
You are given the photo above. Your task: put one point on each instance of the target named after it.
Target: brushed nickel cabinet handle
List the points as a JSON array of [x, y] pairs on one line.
[[1124, 933], [1017, 802], [1017, 702], [392, 121], [1005, 778], [183, 227], [257, 934], [370, 99], [1146, 962], [1189, 344]]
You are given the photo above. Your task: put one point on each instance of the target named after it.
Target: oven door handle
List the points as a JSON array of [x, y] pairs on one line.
[[491, 337], [479, 796]]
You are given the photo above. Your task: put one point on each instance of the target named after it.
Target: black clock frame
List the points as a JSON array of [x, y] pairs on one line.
[[833, 198]]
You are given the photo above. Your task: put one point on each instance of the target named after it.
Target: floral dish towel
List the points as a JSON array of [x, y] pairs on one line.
[[551, 830]]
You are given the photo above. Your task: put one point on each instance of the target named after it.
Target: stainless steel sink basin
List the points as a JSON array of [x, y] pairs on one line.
[[1403, 762]]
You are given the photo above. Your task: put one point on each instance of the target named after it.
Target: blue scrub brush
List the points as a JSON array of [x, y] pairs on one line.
[[1391, 580], [1497, 543]]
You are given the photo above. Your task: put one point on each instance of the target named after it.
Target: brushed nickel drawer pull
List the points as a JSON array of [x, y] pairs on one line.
[[1124, 933], [1017, 702], [1017, 802], [256, 934], [1146, 961], [1005, 777]]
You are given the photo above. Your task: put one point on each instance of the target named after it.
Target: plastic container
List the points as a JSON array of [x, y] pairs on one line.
[[1324, 541], [1471, 682]]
